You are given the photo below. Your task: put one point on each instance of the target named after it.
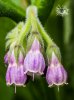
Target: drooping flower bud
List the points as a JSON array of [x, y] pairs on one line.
[[34, 61], [56, 74], [15, 72]]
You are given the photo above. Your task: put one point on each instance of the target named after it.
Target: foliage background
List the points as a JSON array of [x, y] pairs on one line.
[[61, 29]]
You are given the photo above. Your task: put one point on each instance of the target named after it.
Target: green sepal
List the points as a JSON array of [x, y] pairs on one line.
[[13, 34], [17, 49], [53, 48]]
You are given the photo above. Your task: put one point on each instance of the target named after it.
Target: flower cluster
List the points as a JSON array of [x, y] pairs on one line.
[[28, 58]]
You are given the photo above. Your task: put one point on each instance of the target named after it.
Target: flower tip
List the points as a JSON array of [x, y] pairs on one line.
[[6, 58], [8, 84], [50, 85], [66, 83], [35, 45], [21, 58], [12, 57]]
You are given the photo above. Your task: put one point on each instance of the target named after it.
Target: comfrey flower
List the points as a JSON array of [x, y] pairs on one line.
[[15, 72], [56, 74], [34, 62]]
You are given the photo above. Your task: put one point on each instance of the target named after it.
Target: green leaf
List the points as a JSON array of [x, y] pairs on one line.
[[6, 25], [11, 9], [15, 9]]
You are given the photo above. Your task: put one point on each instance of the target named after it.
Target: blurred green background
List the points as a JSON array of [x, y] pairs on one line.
[[61, 29]]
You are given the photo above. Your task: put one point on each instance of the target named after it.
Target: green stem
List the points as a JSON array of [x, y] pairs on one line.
[[33, 23], [36, 26], [43, 33], [24, 31]]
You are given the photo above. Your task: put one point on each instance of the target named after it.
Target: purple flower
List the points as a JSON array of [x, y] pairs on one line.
[[15, 75], [6, 57], [56, 74], [15, 72], [34, 62]]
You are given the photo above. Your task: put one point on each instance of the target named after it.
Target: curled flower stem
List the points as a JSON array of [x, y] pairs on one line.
[[30, 21], [36, 25]]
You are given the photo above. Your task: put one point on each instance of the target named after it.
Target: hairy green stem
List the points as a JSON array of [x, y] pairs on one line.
[[33, 23], [43, 33], [24, 31]]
